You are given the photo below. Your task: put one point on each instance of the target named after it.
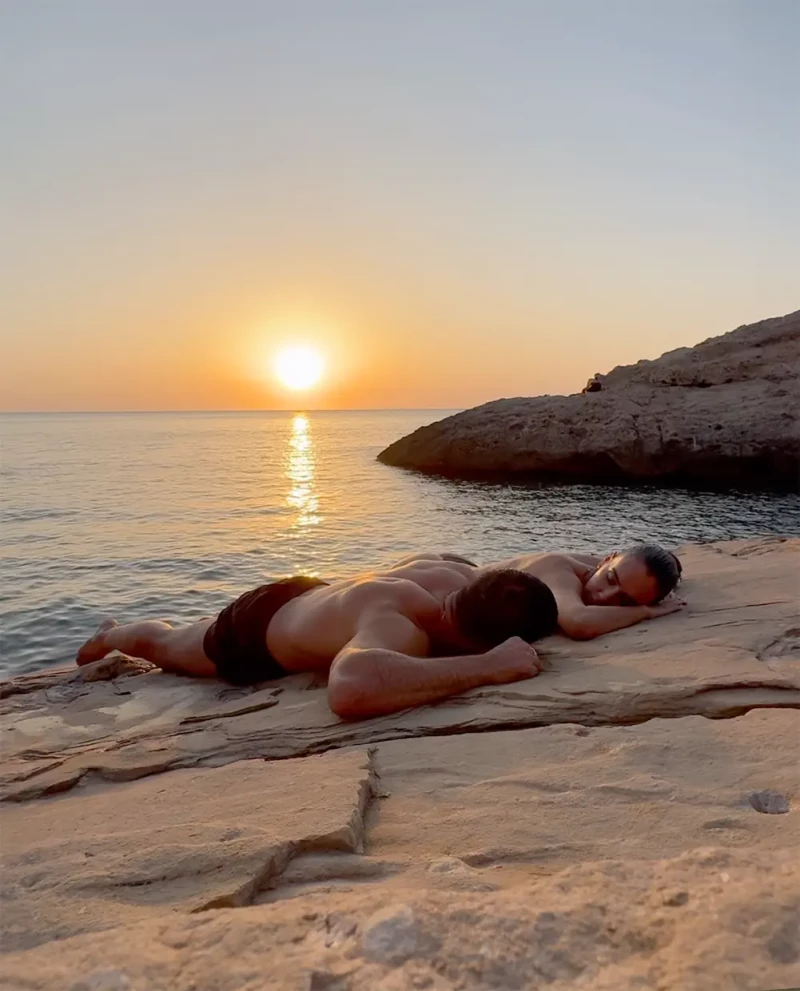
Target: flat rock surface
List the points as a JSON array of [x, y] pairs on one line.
[[736, 647], [722, 412], [188, 841], [706, 920], [588, 829], [542, 799]]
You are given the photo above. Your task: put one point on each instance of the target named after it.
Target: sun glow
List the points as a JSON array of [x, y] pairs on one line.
[[299, 367]]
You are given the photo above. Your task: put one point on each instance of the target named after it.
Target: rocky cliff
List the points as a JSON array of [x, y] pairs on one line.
[[722, 413]]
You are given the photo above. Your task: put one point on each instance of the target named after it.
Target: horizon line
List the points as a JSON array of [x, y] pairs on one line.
[[295, 409]]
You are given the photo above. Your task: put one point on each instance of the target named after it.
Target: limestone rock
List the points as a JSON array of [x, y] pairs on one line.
[[394, 936], [109, 668], [613, 832], [603, 926], [194, 840], [721, 413], [543, 799]]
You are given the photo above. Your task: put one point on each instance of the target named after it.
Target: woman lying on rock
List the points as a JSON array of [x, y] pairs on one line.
[[599, 595], [431, 626]]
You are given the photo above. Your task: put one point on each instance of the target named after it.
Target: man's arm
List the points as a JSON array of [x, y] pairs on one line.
[[384, 669]]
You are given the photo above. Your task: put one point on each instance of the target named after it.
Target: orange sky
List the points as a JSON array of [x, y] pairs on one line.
[[453, 207]]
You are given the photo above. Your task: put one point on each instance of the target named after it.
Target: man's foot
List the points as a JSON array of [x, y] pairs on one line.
[[96, 646]]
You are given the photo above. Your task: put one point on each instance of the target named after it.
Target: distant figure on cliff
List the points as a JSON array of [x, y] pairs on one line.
[[431, 626]]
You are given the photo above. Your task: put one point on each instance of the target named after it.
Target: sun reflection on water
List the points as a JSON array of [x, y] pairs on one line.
[[300, 467]]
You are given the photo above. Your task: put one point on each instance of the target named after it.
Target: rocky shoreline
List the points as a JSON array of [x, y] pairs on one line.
[[627, 819], [721, 414]]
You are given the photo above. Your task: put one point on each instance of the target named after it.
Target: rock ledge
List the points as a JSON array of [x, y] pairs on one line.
[[719, 414]]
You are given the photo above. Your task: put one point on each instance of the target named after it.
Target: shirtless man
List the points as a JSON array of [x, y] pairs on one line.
[[596, 596], [429, 627]]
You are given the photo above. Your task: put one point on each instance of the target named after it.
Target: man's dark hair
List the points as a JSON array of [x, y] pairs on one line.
[[661, 564], [503, 604]]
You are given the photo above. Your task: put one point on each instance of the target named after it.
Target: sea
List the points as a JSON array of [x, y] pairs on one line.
[[171, 515]]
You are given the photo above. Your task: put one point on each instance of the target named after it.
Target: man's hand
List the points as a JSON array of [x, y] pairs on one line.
[[513, 660], [665, 608]]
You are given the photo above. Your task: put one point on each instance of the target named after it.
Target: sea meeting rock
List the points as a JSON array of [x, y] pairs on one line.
[[724, 412], [591, 828]]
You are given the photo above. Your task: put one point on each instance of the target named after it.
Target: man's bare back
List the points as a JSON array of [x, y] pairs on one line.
[[308, 632]]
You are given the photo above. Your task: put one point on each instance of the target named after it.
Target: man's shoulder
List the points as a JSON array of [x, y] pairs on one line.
[[392, 592], [408, 590]]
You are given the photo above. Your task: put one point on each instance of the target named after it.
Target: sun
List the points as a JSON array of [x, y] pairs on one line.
[[299, 367]]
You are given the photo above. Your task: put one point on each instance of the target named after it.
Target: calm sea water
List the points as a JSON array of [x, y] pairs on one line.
[[171, 515]]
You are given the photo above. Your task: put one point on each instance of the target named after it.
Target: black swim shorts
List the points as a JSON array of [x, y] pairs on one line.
[[236, 642]]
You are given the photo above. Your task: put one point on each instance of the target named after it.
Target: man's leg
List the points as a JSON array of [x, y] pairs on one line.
[[178, 649]]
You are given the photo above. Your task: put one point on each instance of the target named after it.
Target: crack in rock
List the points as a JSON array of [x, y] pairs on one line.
[[723, 701], [203, 839]]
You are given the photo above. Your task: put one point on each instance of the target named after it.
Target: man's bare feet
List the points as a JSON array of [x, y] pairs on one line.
[[96, 646]]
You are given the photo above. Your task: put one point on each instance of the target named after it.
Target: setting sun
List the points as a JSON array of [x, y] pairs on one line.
[[299, 367]]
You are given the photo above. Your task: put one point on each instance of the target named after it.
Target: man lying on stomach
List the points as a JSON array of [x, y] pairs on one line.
[[427, 628]]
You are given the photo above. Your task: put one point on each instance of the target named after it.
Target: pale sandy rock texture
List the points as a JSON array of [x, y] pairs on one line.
[[723, 412], [709, 919], [191, 840], [592, 828]]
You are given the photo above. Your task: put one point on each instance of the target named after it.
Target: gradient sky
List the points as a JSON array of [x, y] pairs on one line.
[[455, 200]]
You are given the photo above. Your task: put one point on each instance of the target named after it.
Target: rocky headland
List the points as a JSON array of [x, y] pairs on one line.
[[722, 413], [628, 819]]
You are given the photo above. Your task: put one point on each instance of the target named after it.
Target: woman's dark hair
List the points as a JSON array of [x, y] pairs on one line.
[[503, 604], [661, 564]]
